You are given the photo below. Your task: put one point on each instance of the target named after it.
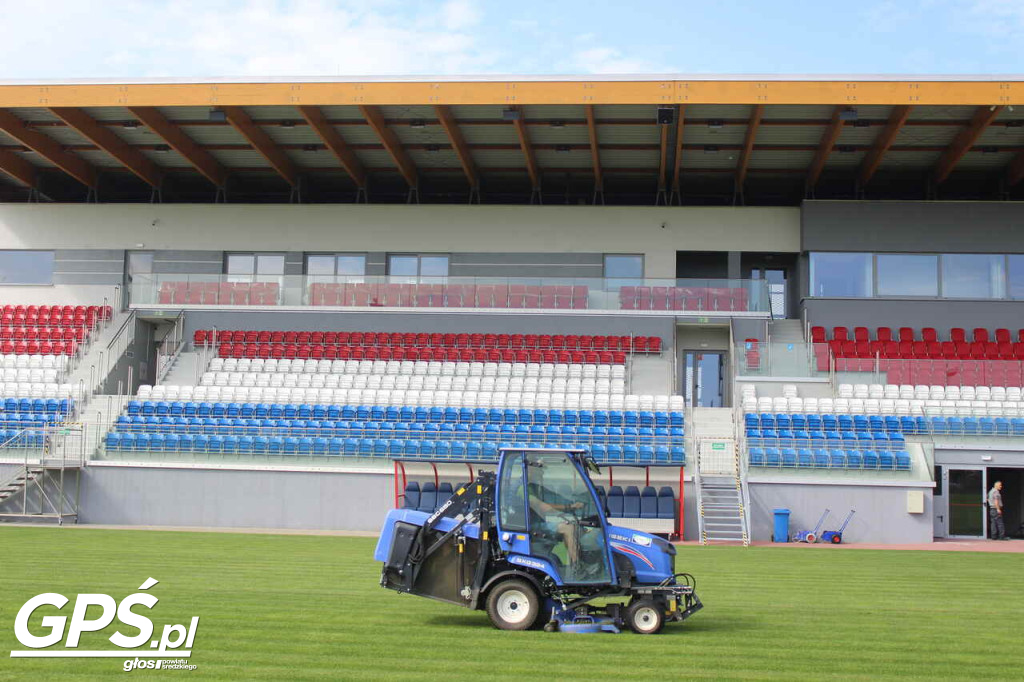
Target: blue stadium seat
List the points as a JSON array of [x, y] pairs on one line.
[[631, 502], [649, 503], [615, 502], [666, 503]]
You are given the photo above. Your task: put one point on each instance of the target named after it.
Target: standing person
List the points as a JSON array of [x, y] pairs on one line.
[[995, 512]]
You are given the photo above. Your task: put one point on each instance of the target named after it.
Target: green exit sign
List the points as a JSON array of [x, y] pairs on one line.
[[718, 446]]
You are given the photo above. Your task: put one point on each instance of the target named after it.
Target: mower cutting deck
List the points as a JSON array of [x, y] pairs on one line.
[[531, 546]]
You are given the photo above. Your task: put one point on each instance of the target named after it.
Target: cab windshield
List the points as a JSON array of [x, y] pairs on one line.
[[565, 523]]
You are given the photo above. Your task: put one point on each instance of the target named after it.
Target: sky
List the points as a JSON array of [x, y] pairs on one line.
[[56, 39]]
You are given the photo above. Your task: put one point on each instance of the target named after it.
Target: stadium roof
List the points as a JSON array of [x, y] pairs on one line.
[[754, 140]]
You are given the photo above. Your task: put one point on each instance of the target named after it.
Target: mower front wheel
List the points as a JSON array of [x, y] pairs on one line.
[[645, 617], [513, 605]]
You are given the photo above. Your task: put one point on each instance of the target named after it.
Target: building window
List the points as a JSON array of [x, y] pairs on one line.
[[249, 264], [410, 265], [971, 275], [1015, 276], [623, 266], [344, 264], [26, 267], [842, 275], [907, 275]]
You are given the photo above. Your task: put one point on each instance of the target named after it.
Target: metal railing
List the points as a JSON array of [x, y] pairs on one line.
[[111, 355], [170, 347], [671, 296]]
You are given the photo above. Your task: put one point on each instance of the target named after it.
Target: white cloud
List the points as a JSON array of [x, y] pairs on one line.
[[72, 38]]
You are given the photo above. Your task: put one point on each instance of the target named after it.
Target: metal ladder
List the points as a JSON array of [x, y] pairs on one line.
[[722, 500], [17, 482]]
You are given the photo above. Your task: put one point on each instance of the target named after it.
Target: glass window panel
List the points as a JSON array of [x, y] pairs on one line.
[[1016, 277], [26, 267], [512, 504], [434, 266], [319, 265], [352, 265], [907, 275], [270, 264], [845, 275], [403, 266], [971, 275], [623, 267], [241, 263]]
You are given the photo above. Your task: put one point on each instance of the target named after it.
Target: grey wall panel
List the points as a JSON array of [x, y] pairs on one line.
[[991, 458], [943, 315], [236, 499], [907, 226], [881, 511], [174, 262], [294, 263], [88, 266]]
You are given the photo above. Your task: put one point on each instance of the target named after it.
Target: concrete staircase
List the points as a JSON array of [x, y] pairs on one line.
[[100, 339], [787, 353], [187, 368]]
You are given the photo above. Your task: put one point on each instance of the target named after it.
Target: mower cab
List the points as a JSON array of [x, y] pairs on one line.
[[531, 544]]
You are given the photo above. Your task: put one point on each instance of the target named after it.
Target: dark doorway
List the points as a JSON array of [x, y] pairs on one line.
[[1013, 498], [779, 271], [702, 264]]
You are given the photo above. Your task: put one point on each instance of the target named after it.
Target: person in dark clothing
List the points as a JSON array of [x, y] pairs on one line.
[[995, 512]]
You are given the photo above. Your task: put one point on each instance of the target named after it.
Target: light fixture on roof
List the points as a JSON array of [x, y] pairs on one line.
[[287, 124], [162, 148], [666, 115], [711, 149], [846, 149], [848, 114], [990, 150], [310, 147], [433, 148], [1015, 124], [558, 124], [992, 108], [862, 123], [218, 116], [715, 123], [563, 148], [417, 123], [27, 150], [129, 124], [510, 114]]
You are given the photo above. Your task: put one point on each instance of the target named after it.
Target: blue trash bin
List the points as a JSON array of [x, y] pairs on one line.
[[781, 533]]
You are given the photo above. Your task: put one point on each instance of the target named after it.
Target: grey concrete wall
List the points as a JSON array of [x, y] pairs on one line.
[[995, 458], [235, 499], [881, 511], [942, 315], [913, 226]]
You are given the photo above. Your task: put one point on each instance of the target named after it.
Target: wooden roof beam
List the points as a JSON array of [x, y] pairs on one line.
[[18, 168], [524, 144], [965, 139], [108, 141], [177, 140], [748, 144], [1015, 170], [897, 119], [336, 143], [263, 143], [677, 172], [595, 149], [663, 157], [454, 133], [49, 149], [375, 119], [828, 141]]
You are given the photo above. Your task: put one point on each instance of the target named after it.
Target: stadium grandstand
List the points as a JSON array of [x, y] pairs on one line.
[[297, 303]]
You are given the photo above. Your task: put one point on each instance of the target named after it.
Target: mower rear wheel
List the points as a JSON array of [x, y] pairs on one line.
[[513, 605], [645, 617]]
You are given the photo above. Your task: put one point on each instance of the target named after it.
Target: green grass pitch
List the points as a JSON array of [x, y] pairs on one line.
[[304, 607]]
